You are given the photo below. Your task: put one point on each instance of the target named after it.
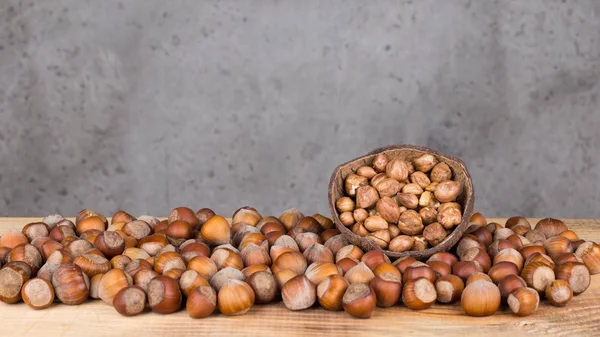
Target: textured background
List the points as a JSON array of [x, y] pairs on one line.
[[148, 105]]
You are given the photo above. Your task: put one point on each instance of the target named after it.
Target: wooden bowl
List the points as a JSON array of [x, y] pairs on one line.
[[408, 153]]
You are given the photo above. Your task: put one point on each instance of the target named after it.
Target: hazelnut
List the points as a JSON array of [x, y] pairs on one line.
[[290, 217], [328, 234], [407, 200], [120, 261], [420, 270], [330, 292], [374, 258], [559, 293], [190, 280], [509, 284], [410, 223], [557, 245], [345, 204], [346, 264], [254, 269], [37, 293], [478, 276], [185, 214], [203, 214], [440, 268], [35, 230], [446, 257], [425, 162], [360, 230], [347, 219], [304, 240], [290, 260], [27, 253], [336, 243], [576, 274], [168, 260], [428, 214], [216, 231], [420, 179], [523, 301], [353, 182], [12, 277], [298, 293], [380, 162], [246, 214], [440, 172], [404, 262], [13, 238], [349, 251], [589, 252], [381, 238], [388, 210], [464, 269], [92, 222], [130, 301], [434, 233], [226, 258], [449, 217], [219, 278], [509, 255], [359, 300], [264, 286], [397, 169], [538, 257], [52, 219], [366, 197], [449, 289], [419, 294], [318, 253], [535, 235], [254, 254], [527, 251], [517, 221], [551, 227], [359, 274], [109, 243], [387, 187], [480, 298], [538, 276], [502, 270], [366, 171], [92, 264], [400, 243], [111, 283], [201, 302], [499, 245], [71, 285], [164, 296], [359, 215]]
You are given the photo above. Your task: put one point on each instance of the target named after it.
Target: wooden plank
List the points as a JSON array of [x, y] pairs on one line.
[[581, 317]]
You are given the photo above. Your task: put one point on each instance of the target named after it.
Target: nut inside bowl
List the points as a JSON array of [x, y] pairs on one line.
[[406, 153]]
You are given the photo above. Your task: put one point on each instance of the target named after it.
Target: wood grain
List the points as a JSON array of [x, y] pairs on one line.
[[581, 317]]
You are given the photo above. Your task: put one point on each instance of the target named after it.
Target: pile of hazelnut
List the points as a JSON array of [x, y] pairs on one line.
[[401, 205], [198, 260]]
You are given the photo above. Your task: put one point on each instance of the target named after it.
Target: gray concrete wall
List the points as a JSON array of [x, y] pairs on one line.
[[148, 105]]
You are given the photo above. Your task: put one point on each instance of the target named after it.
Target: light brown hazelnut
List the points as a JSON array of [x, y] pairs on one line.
[[447, 191], [359, 230], [353, 182], [428, 214], [345, 204], [388, 187], [408, 200], [360, 214], [366, 171], [381, 238], [380, 162], [388, 209], [397, 169], [412, 188], [366, 197], [401, 243], [375, 223], [425, 162], [420, 179], [449, 217], [427, 199], [434, 233], [410, 223], [440, 172]]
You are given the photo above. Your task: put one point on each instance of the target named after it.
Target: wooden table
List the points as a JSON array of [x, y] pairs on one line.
[[581, 317]]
